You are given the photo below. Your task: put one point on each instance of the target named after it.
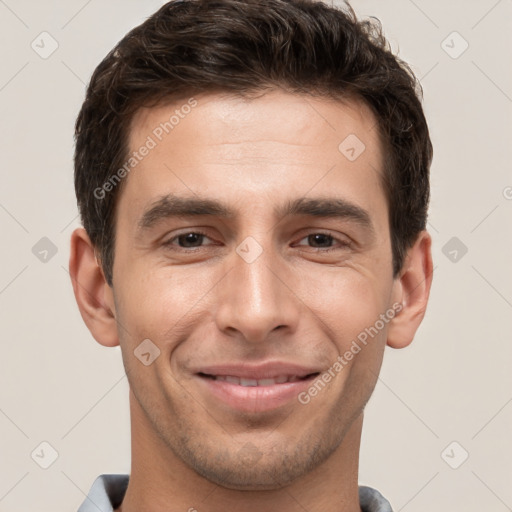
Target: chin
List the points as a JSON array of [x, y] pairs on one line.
[[259, 478], [248, 469]]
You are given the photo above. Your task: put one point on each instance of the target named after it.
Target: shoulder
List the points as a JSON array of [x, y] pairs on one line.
[[106, 493], [372, 500]]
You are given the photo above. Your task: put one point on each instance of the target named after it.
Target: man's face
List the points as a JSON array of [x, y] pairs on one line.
[[263, 293]]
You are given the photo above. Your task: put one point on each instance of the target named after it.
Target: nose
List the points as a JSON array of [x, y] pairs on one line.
[[255, 300]]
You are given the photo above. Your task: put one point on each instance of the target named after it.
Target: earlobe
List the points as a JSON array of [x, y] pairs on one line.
[[92, 293], [412, 289]]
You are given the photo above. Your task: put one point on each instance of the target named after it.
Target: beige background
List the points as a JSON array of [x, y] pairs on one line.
[[454, 383]]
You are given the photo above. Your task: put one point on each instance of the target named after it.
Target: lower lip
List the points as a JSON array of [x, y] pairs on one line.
[[255, 398]]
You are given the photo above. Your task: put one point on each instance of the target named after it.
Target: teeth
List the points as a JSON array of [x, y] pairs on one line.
[[248, 382], [266, 382], [281, 379]]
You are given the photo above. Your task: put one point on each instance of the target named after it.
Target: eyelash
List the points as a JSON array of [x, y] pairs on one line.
[[342, 243]]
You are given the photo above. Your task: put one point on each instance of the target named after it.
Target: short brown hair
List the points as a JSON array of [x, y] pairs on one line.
[[242, 47]]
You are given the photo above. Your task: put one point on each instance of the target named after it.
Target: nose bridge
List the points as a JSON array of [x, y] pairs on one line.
[[255, 301]]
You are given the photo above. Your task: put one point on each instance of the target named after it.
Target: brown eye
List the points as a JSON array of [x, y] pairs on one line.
[[321, 238], [324, 242], [188, 240]]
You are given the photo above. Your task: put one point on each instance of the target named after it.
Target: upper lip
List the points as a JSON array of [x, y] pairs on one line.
[[269, 370]]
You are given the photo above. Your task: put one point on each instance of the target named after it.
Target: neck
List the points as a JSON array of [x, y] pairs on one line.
[[161, 482]]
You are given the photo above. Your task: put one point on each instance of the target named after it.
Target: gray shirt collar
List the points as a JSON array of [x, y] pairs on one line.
[[107, 493]]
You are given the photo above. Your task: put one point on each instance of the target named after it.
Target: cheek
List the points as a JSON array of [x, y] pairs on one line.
[[153, 306], [348, 302], [158, 304]]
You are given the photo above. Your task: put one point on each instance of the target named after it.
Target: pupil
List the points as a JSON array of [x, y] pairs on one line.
[[190, 238], [319, 237]]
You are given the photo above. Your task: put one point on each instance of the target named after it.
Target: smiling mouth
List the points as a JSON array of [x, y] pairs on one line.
[[247, 382]]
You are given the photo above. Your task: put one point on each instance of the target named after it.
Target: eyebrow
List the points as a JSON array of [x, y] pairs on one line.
[[170, 206]]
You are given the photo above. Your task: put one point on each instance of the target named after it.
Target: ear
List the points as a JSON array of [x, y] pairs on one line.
[[412, 289], [92, 293]]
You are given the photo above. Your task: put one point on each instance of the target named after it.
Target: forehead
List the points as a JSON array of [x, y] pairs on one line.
[[238, 149], [293, 119]]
